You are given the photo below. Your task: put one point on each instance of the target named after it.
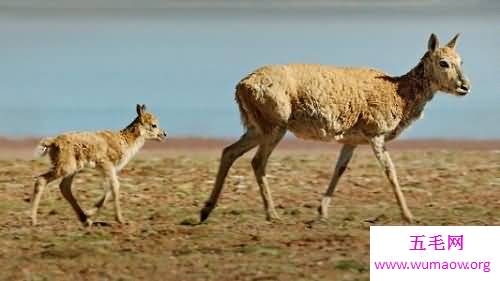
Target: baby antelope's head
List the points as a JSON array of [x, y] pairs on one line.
[[148, 125]]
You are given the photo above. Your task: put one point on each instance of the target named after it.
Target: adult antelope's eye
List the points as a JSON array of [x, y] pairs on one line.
[[444, 64], [153, 126]]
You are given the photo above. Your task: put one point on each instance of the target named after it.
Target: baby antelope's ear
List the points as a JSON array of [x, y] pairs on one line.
[[140, 109]]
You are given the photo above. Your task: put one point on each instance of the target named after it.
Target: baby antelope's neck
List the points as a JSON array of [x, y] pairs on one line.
[[132, 134], [132, 141]]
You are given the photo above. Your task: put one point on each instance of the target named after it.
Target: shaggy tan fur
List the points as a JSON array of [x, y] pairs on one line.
[[349, 105], [107, 151]]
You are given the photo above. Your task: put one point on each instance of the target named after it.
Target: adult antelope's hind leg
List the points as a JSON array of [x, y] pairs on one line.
[[378, 146], [248, 141], [65, 187], [342, 162], [259, 163], [40, 184]]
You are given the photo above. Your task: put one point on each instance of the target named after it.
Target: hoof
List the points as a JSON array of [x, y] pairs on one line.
[[409, 219], [101, 223], [120, 220], [322, 219], [322, 216], [316, 222], [205, 212], [88, 223], [273, 218], [407, 216]]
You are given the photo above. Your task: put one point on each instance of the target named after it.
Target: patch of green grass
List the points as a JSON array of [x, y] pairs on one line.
[[260, 250], [351, 265], [475, 210], [12, 205], [191, 221], [37, 277]]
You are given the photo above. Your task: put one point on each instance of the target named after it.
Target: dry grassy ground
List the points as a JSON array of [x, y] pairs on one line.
[[162, 195]]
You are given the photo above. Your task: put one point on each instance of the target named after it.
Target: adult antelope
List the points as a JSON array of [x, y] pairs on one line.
[[350, 105]]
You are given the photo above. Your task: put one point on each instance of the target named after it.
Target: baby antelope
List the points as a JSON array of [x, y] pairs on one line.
[[108, 151]]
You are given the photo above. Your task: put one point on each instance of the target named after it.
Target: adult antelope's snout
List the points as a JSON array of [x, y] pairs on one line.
[[463, 88]]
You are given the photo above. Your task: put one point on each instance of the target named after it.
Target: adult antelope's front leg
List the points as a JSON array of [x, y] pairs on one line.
[[378, 146], [342, 162]]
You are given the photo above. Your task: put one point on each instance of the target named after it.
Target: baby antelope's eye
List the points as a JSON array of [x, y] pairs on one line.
[[153, 126], [444, 64]]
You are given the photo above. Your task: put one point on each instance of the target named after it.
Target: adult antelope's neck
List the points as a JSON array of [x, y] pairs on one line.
[[414, 89], [416, 86]]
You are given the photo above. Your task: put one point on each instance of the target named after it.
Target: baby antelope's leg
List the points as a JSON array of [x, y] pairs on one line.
[[115, 185], [40, 184], [65, 187], [100, 203], [110, 172]]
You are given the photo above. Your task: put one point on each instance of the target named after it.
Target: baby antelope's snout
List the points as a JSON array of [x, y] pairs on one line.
[[162, 135]]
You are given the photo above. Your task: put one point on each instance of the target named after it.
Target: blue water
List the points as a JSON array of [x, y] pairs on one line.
[[79, 73]]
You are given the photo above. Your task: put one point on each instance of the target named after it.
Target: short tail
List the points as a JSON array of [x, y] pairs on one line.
[[43, 147], [251, 117]]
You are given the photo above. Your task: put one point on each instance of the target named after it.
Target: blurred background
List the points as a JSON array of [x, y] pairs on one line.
[[83, 65]]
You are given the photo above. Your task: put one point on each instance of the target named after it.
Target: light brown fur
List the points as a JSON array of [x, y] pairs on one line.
[[349, 105], [107, 151]]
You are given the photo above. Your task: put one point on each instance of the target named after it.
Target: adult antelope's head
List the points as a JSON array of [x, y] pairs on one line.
[[148, 125], [445, 67]]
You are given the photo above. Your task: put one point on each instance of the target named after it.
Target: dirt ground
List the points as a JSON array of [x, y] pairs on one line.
[[163, 191]]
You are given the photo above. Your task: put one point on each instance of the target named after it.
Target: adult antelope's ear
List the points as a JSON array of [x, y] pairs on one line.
[[453, 41], [433, 43], [140, 109]]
